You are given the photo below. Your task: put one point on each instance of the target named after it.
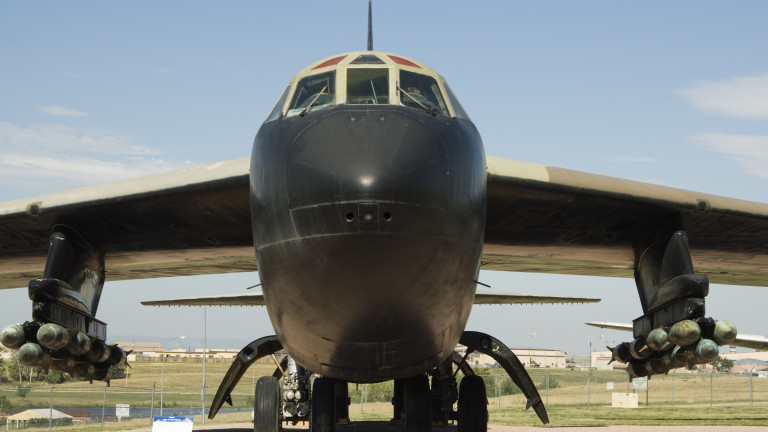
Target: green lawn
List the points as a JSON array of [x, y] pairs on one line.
[[574, 397]]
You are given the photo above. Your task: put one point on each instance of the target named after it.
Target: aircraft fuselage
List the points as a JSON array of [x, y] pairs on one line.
[[368, 226]]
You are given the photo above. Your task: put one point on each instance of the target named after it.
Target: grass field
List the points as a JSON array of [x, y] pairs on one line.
[[574, 397]]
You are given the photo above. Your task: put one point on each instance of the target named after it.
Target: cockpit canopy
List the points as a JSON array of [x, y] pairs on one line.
[[367, 78]]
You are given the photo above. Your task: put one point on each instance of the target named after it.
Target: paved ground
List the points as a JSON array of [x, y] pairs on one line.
[[385, 427]]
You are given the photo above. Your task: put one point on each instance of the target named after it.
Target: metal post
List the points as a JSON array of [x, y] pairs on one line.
[[50, 409], [205, 345], [546, 403], [498, 390], [589, 378], [647, 387], [363, 397], [673, 388], [152, 406], [162, 382], [750, 388], [103, 406]]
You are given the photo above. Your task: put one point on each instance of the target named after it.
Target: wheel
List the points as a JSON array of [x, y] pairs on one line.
[[266, 405], [417, 400], [323, 412], [473, 405]]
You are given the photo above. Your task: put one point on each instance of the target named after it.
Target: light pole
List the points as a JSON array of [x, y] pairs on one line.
[[162, 371]]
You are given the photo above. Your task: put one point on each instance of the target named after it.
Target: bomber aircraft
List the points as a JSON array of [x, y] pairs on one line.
[[371, 208]]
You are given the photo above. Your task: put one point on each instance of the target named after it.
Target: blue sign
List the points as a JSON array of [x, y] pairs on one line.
[[172, 424]]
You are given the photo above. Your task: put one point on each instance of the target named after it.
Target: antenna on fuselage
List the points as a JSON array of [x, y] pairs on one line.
[[370, 28]]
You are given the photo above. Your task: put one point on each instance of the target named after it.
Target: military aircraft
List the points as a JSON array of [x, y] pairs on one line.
[[368, 207]]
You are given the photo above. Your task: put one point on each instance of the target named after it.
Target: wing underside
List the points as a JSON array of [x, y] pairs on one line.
[[187, 222], [552, 220], [539, 219]]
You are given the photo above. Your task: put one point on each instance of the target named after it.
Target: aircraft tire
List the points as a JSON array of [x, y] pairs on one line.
[[473, 405], [266, 410], [323, 412], [417, 400]]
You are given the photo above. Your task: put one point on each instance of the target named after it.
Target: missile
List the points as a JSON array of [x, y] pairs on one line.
[[620, 353], [725, 333], [16, 335], [655, 366], [684, 333], [658, 340], [706, 351], [639, 349], [13, 336], [98, 353], [32, 355], [53, 336], [102, 372], [675, 358], [79, 343], [117, 356], [82, 371], [637, 369], [62, 362]]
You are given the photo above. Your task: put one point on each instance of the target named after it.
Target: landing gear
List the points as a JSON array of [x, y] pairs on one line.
[[323, 406], [266, 409], [419, 407], [417, 401], [341, 401], [473, 405]]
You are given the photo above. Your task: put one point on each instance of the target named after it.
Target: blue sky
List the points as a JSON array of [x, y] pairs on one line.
[[673, 93]]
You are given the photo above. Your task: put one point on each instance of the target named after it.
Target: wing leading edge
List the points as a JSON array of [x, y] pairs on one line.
[[257, 299]]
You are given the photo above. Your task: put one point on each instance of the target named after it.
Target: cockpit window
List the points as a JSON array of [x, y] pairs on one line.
[[312, 93], [367, 86], [277, 111], [366, 59], [457, 108], [421, 92]]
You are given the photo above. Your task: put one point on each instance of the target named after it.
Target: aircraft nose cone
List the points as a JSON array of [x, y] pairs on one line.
[[368, 156]]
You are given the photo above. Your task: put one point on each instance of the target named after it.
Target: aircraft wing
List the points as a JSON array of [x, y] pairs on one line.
[[757, 342], [495, 297], [247, 299], [539, 219], [552, 220], [257, 299], [186, 222]]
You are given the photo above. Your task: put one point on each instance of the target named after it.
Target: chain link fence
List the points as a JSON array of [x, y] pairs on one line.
[[588, 387], [98, 403]]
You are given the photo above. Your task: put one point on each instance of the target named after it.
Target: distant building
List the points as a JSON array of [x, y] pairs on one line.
[[745, 362], [38, 418], [601, 360], [140, 347], [529, 357]]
